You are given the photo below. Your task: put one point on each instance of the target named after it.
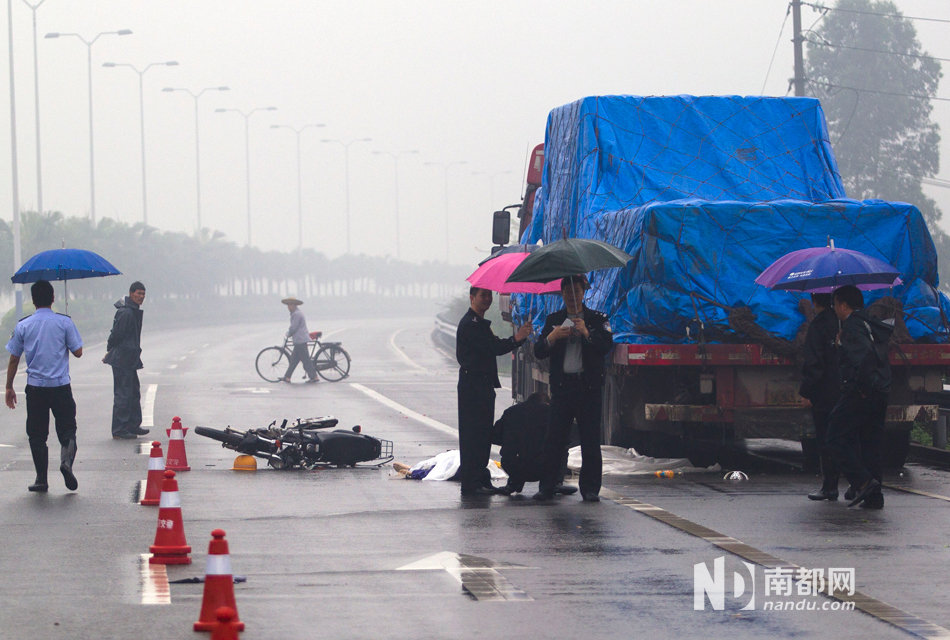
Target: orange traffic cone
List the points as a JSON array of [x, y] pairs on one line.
[[226, 628], [219, 585], [176, 460], [170, 546], [156, 473]]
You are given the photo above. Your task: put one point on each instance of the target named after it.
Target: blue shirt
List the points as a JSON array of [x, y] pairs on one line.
[[47, 338]]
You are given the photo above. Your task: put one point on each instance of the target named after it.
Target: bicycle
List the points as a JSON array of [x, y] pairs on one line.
[[330, 359]]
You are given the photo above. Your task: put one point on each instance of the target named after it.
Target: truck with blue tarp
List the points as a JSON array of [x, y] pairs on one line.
[[705, 192]]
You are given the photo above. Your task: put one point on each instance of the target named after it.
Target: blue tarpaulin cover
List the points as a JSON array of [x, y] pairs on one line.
[[704, 193]]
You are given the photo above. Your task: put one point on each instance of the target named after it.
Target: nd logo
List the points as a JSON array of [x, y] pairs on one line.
[[713, 587]]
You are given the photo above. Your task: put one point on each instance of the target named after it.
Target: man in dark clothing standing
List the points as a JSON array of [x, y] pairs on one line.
[[820, 381], [577, 340], [856, 424], [123, 354], [476, 348]]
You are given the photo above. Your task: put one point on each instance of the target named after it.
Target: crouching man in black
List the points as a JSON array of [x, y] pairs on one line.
[[520, 432], [577, 340], [856, 424]]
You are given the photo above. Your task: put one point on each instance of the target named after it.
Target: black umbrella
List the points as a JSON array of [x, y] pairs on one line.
[[568, 257]]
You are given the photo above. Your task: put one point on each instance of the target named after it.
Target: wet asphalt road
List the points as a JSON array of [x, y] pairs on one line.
[[357, 553]]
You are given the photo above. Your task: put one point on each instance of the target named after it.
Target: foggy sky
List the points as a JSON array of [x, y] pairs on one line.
[[457, 81]]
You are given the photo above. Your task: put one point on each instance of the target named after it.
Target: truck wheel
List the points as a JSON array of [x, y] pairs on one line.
[[894, 449]]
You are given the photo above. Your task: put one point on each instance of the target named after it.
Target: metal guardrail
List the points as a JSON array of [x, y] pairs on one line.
[[445, 328]]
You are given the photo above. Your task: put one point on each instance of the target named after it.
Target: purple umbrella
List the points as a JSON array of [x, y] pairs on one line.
[[823, 269]]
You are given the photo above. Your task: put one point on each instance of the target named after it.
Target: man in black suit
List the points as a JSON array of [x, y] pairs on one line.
[[577, 340], [476, 348]]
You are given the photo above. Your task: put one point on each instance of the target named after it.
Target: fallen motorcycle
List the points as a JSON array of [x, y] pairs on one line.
[[304, 444]]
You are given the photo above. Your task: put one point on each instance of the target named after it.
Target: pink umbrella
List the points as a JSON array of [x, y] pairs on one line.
[[494, 273]]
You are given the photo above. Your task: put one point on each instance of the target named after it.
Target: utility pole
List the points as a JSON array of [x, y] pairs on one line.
[[799, 79]]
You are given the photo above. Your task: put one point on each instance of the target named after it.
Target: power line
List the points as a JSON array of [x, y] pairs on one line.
[[893, 53], [778, 41], [823, 8], [886, 93]]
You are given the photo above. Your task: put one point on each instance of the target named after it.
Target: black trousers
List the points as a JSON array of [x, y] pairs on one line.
[[301, 354], [826, 457], [574, 400], [476, 409], [855, 432], [40, 401], [126, 400]]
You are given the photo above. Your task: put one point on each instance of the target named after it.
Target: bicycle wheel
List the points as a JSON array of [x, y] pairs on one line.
[[272, 363], [332, 363], [227, 438]]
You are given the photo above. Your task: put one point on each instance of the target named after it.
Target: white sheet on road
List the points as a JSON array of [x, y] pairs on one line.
[[620, 461]]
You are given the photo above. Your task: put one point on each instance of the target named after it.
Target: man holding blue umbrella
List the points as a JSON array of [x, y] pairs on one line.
[[47, 339]]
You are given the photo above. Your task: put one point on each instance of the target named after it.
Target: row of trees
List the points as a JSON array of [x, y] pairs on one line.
[[204, 266]]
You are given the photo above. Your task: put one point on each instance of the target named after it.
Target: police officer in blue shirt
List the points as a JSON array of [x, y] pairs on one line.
[[47, 338]]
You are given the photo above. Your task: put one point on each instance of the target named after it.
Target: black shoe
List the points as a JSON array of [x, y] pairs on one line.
[[869, 487], [543, 496], [138, 431], [823, 494], [565, 490], [590, 496], [124, 435], [71, 483], [479, 491], [849, 494], [873, 501], [505, 491], [39, 487]]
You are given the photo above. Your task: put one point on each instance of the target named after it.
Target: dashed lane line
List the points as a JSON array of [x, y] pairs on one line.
[[148, 406], [881, 610]]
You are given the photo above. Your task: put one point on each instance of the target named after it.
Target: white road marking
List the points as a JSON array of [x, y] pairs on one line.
[[173, 366], [399, 352], [478, 576], [154, 581], [406, 411], [148, 406]]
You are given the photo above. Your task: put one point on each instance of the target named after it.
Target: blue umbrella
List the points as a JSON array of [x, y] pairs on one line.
[[64, 264]]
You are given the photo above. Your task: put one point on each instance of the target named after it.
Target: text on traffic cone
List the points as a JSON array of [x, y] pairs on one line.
[[170, 546]]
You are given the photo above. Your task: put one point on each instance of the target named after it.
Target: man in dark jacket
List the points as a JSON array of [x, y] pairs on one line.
[[577, 340], [856, 424], [820, 381], [476, 348], [123, 351], [520, 432]]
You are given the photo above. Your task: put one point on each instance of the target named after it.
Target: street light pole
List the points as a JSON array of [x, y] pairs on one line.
[[92, 159], [195, 96], [395, 157], [446, 167], [17, 259], [141, 74], [297, 131], [247, 158], [346, 169], [36, 111]]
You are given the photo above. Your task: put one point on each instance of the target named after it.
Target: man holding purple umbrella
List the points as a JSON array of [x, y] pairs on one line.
[[856, 423]]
